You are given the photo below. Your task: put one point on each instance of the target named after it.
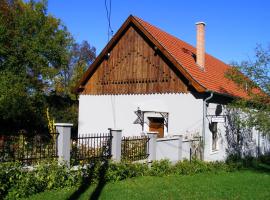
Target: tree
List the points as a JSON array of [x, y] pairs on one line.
[[80, 57], [34, 49], [64, 103], [254, 78]]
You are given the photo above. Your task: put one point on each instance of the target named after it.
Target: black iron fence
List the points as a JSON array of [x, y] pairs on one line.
[[90, 147], [134, 148], [28, 149]]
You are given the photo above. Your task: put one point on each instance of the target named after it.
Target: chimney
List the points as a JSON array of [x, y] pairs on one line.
[[200, 54]]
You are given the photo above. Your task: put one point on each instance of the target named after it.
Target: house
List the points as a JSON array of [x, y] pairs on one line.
[[148, 80]]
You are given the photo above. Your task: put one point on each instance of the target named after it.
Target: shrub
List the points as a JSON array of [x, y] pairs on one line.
[[9, 174], [186, 167], [265, 159], [123, 170], [160, 168], [237, 162], [17, 182]]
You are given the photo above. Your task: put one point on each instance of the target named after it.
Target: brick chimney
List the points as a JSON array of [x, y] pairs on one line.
[[200, 46]]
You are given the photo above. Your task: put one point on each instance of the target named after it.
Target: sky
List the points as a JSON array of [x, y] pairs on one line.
[[233, 28]]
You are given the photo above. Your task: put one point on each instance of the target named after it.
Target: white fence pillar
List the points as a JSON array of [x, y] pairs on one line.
[[152, 145], [116, 144], [63, 142]]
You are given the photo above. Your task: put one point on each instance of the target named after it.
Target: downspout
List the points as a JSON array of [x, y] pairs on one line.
[[204, 121]]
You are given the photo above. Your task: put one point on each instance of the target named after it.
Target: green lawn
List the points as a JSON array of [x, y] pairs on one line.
[[234, 185]]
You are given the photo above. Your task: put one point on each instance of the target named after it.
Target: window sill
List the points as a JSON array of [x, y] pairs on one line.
[[214, 152]]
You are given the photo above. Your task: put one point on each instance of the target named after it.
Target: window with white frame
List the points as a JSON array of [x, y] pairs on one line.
[[214, 131]]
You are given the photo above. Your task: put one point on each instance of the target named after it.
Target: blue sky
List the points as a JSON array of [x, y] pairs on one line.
[[233, 28]]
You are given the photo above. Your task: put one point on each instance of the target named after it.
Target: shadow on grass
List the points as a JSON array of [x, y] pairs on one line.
[[261, 167], [254, 165], [102, 181], [102, 168]]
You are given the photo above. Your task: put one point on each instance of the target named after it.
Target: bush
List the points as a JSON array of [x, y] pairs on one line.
[[265, 159], [9, 174], [186, 167], [123, 170], [160, 168], [237, 162], [17, 182]]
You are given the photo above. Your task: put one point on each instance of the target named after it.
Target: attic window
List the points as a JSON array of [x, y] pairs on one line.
[[193, 55]]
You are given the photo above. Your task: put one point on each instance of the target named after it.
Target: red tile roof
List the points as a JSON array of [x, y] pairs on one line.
[[212, 78], [182, 54]]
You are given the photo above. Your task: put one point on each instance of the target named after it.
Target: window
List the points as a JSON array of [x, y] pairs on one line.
[[214, 141], [213, 129], [156, 124], [156, 121]]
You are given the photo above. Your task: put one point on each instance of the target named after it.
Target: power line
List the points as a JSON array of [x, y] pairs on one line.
[[108, 7]]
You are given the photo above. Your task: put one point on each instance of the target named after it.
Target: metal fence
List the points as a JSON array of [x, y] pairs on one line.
[[28, 149], [134, 148], [90, 147]]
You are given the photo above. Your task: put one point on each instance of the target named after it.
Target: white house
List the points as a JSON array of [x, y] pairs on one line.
[[148, 80]]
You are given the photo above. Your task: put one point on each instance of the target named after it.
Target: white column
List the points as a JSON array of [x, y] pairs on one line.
[[152, 145], [116, 144], [63, 142]]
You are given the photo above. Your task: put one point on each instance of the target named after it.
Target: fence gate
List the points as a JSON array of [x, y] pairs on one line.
[[88, 148], [134, 148], [195, 151]]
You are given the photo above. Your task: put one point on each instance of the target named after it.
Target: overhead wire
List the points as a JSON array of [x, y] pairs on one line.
[[108, 7]]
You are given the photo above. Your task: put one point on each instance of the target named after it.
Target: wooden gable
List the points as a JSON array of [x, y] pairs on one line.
[[133, 67]]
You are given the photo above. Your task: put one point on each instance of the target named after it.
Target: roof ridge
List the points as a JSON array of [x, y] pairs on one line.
[[212, 78], [163, 31], [186, 43]]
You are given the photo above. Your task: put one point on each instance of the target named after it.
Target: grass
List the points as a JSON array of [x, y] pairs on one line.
[[234, 185]]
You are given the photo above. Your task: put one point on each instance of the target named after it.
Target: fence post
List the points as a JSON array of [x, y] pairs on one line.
[[63, 142], [152, 146], [116, 144]]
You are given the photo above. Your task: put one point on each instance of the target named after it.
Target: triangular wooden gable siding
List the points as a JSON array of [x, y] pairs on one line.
[[133, 67]]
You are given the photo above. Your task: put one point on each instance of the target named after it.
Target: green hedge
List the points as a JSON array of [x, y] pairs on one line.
[[17, 182]]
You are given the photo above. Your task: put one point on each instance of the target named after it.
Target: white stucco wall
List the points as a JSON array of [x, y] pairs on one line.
[[97, 113], [220, 153], [258, 140], [169, 148]]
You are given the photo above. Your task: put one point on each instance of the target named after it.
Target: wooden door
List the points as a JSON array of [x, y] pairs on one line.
[[156, 124]]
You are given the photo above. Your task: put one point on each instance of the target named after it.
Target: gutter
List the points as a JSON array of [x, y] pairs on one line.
[[204, 121]]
